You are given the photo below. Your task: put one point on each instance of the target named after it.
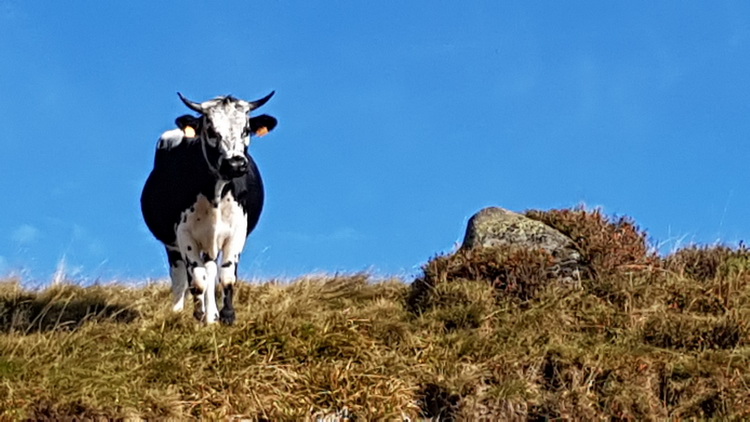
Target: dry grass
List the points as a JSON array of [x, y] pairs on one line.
[[484, 336]]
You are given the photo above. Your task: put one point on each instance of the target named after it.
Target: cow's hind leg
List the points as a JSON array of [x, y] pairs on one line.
[[178, 275]]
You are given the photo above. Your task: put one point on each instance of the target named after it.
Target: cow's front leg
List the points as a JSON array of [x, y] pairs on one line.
[[209, 293], [202, 281], [228, 277], [203, 287]]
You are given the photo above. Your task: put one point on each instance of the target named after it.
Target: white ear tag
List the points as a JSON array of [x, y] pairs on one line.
[[189, 132]]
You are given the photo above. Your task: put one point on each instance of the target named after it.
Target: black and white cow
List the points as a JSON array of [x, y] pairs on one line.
[[204, 197]]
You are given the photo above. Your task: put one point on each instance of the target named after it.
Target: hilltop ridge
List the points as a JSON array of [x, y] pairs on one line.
[[481, 334]]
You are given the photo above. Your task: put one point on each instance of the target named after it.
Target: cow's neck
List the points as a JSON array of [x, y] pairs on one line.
[[220, 188], [214, 188], [211, 169]]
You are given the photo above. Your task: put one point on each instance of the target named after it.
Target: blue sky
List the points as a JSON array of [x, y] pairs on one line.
[[397, 121]]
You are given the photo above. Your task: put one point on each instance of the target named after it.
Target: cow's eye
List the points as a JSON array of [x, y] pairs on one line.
[[246, 131]]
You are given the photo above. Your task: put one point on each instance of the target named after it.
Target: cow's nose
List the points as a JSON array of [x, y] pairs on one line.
[[234, 166], [238, 163]]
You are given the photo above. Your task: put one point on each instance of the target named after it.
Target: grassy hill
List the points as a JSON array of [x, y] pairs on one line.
[[485, 334]]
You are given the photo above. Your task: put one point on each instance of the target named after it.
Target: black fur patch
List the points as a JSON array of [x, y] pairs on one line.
[[263, 120], [173, 257], [226, 315]]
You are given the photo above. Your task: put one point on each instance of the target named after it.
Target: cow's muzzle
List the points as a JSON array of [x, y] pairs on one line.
[[233, 166]]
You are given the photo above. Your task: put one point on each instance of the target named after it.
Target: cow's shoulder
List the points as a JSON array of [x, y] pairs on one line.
[[177, 154], [170, 139]]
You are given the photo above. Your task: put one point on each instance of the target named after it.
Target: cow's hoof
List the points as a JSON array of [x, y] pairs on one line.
[[226, 316], [198, 314]]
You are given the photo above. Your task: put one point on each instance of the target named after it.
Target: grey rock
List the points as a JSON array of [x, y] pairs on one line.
[[495, 226]]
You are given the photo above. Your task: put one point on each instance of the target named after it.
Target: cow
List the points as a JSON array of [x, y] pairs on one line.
[[203, 198]]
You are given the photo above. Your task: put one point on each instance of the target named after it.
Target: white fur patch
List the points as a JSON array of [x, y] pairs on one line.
[[212, 228], [170, 139], [230, 120]]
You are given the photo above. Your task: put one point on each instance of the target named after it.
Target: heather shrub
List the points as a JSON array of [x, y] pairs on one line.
[[513, 273], [606, 244], [709, 262]]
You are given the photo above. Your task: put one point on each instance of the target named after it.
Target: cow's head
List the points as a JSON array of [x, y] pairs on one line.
[[224, 128]]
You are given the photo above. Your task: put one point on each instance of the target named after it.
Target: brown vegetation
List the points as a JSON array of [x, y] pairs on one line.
[[481, 335]]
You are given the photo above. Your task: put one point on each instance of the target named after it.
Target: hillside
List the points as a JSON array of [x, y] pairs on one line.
[[485, 334]]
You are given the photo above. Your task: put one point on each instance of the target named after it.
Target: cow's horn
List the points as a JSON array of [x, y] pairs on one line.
[[191, 105], [257, 103]]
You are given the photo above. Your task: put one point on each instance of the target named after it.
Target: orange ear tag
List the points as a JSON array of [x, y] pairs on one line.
[[261, 131], [189, 132]]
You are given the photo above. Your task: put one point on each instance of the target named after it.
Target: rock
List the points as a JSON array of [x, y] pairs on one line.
[[494, 226]]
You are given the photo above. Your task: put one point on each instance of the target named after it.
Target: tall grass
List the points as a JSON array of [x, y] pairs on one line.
[[479, 336]]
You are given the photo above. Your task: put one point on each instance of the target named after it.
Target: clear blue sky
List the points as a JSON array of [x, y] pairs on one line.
[[397, 121]]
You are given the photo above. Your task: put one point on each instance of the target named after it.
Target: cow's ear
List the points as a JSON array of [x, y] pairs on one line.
[[187, 124], [261, 125]]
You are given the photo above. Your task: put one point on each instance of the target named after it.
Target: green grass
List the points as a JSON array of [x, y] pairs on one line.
[[661, 338]]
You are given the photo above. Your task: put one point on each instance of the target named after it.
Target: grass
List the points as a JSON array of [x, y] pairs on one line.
[[479, 335]]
